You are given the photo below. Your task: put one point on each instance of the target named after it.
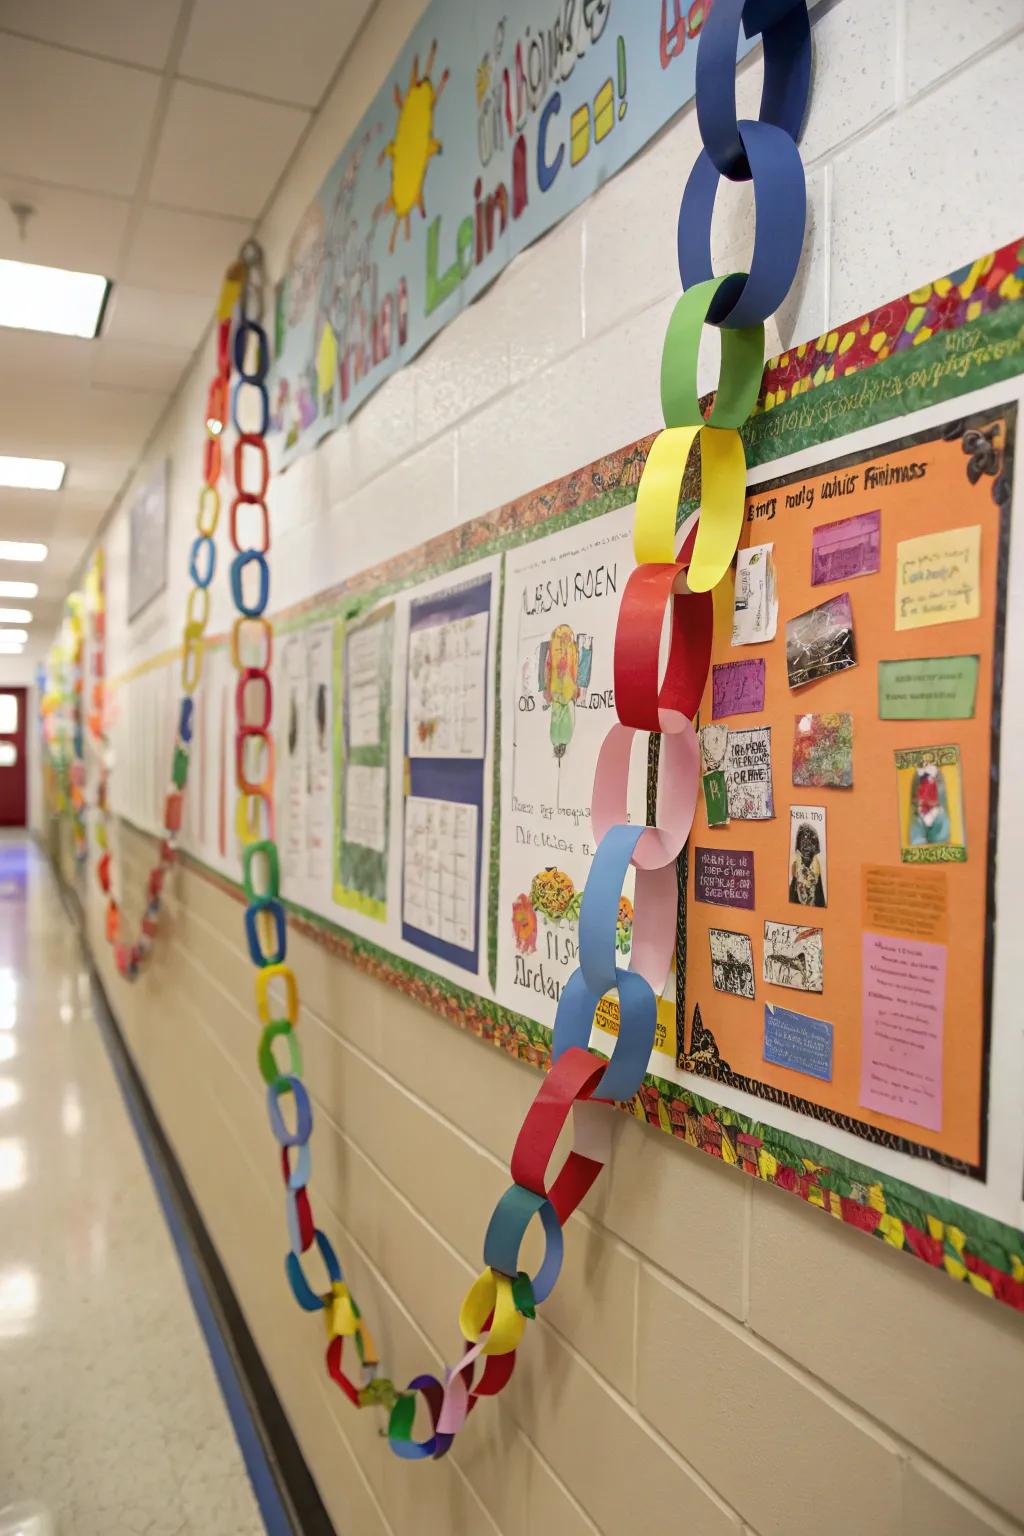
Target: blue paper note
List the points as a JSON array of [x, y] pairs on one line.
[[795, 1040]]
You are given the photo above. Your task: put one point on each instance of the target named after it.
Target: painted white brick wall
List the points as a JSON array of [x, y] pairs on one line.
[[720, 1359]]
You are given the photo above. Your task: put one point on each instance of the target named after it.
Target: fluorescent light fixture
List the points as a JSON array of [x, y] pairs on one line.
[[12, 636], [31, 474], [17, 549], [15, 616], [19, 589], [10, 649], [50, 299]]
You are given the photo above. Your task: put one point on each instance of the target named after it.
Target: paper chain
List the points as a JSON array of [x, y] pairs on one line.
[[495, 1310]]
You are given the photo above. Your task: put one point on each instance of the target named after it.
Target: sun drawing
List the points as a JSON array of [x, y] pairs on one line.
[[413, 146]]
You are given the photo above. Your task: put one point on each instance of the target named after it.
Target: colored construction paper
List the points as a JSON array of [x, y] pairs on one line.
[[723, 492], [931, 688], [797, 1041], [820, 642], [737, 688], [643, 698], [851, 547], [901, 1042], [678, 787], [742, 360], [912, 902], [931, 805], [755, 597], [716, 798], [937, 578], [724, 877], [823, 751]]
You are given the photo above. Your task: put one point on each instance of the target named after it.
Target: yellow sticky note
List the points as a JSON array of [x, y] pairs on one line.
[[938, 578]]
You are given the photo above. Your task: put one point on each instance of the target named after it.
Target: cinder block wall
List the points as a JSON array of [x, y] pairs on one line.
[[718, 1359]]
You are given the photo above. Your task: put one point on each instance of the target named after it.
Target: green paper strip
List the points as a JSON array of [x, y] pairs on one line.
[[740, 374]]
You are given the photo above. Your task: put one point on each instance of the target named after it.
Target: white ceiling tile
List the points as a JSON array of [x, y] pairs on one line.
[[222, 152], [65, 422], [128, 365], [73, 120], [36, 514], [27, 356], [293, 62], [80, 230], [183, 252], [102, 471], [120, 29], [155, 318]]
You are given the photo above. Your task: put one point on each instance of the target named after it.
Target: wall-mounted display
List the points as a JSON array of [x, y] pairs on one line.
[[831, 1022]]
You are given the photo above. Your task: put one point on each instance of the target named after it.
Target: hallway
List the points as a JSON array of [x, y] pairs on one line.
[[110, 1411]]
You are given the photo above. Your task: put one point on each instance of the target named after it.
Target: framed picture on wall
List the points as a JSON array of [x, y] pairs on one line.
[[147, 542]]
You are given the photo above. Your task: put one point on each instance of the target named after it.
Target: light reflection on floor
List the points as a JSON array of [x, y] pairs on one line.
[[110, 1413]]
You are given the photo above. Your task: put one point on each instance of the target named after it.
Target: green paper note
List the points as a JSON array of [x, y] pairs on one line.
[[933, 688], [716, 798]]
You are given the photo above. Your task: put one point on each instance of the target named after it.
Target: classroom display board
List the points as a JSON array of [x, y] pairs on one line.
[[841, 1015]]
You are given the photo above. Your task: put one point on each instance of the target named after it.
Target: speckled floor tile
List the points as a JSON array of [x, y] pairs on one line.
[[110, 1412]]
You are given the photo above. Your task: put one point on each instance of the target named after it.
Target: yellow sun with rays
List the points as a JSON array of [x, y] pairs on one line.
[[413, 146]]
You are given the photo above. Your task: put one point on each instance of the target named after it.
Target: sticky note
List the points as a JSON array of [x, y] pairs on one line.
[[797, 1041], [931, 688], [937, 578]]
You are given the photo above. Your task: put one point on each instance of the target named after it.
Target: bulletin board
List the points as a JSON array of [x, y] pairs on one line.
[[829, 978], [841, 1017]]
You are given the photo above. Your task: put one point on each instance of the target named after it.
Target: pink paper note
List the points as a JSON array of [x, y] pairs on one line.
[[901, 1044]]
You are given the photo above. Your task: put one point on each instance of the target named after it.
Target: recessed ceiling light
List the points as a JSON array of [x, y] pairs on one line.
[[11, 647], [50, 299], [18, 549], [13, 636], [15, 616], [19, 589], [31, 474]]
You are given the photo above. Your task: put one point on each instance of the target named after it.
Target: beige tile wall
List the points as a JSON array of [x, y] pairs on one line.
[[719, 1358]]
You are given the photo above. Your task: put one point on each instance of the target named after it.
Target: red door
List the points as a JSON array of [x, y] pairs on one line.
[[13, 780]]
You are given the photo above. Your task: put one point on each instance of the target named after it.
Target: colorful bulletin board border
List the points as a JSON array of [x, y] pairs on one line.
[[961, 333]]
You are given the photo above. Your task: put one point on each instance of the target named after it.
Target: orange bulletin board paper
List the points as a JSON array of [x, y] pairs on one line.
[[922, 488]]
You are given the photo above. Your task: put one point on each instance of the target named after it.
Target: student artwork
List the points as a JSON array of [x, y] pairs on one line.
[[748, 774], [852, 547], [714, 751], [794, 957], [808, 859], [566, 662], [823, 751], [737, 688], [931, 806], [732, 962], [820, 642], [755, 601]]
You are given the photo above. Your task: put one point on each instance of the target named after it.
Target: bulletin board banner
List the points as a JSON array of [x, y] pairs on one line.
[[841, 1018], [493, 124]]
